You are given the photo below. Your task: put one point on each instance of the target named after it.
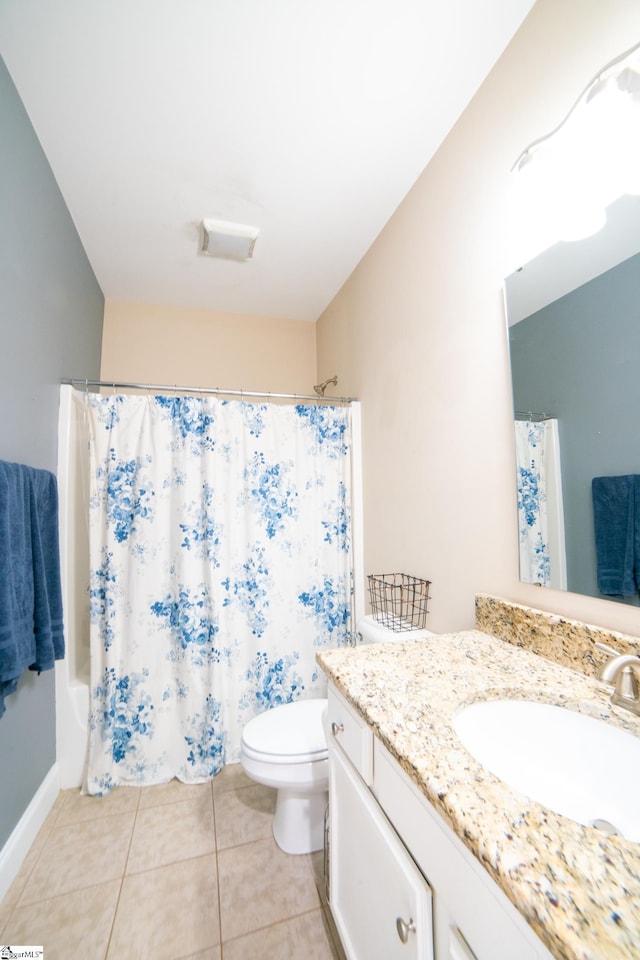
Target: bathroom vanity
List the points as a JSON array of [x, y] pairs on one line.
[[431, 855]]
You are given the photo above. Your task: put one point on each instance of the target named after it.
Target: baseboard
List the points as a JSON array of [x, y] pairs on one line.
[[17, 846]]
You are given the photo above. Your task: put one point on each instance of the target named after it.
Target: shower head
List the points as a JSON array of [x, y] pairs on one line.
[[321, 387]]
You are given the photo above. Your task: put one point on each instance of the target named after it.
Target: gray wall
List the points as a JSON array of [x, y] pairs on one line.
[[579, 360], [51, 310]]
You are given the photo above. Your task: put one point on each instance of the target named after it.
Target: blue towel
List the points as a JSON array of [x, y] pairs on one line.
[[636, 530], [31, 628], [47, 612], [615, 521]]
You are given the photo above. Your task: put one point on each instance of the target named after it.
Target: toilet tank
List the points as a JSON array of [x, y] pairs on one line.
[[368, 630]]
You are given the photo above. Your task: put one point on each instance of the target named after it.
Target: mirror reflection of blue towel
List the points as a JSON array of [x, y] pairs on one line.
[[31, 629], [616, 515]]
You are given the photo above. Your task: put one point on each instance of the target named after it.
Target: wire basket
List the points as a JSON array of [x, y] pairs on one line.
[[398, 601]]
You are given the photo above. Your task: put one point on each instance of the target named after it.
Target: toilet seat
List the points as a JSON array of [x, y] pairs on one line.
[[290, 733]]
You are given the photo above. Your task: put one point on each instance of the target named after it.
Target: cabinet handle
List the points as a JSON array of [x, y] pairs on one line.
[[404, 928], [337, 728]]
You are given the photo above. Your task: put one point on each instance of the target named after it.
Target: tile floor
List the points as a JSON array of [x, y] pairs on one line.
[[172, 871]]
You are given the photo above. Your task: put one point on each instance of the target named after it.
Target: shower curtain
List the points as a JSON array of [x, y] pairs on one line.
[[540, 510], [220, 556]]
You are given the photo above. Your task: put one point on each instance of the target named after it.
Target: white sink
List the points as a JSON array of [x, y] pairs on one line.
[[573, 764]]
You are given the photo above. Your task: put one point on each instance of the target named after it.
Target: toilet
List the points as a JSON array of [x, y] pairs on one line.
[[286, 748]]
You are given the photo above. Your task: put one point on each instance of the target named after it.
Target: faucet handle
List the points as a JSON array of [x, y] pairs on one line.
[[606, 649], [604, 668]]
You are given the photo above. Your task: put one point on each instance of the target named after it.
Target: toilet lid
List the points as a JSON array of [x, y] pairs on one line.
[[290, 730]]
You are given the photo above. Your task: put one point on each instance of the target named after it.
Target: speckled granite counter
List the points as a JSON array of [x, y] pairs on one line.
[[570, 643], [578, 889]]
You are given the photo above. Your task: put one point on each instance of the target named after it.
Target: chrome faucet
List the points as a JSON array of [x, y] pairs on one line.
[[619, 673]]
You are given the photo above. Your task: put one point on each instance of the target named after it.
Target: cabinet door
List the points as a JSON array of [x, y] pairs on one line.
[[459, 949], [380, 901], [467, 899]]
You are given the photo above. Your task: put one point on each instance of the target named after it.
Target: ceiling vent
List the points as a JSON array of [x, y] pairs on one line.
[[228, 241]]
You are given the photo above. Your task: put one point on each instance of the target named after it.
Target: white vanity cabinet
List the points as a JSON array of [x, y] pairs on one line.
[[380, 901], [392, 856]]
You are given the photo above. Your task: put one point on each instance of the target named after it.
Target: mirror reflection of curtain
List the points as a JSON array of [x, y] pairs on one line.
[[540, 510]]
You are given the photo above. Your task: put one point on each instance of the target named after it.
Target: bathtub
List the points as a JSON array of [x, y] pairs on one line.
[[72, 673]]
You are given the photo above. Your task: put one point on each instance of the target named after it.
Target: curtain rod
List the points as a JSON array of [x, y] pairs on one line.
[[168, 388], [534, 417]]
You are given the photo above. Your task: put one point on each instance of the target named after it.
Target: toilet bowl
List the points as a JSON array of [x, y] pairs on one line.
[[286, 748]]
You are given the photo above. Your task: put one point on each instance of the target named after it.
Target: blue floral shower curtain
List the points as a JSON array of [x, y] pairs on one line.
[[535, 564], [540, 508], [220, 560]]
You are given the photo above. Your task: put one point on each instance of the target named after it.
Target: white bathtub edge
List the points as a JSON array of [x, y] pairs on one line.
[[72, 691], [72, 712]]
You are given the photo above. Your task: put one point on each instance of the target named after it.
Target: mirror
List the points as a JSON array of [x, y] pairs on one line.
[[574, 336]]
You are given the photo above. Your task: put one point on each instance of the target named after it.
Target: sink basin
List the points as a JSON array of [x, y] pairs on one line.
[[578, 766]]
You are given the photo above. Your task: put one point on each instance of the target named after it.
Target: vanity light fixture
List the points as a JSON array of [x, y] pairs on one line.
[[228, 241], [566, 179], [620, 75]]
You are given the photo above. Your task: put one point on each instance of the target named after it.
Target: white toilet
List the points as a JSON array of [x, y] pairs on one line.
[[286, 748]]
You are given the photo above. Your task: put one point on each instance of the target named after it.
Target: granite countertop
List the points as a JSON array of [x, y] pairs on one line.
[[578, 888]]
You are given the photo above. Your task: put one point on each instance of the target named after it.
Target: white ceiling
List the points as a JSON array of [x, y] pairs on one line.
[[308, 120]]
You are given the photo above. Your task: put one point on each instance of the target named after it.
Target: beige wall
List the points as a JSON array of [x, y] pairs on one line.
[[418, 333], [201, 348]]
